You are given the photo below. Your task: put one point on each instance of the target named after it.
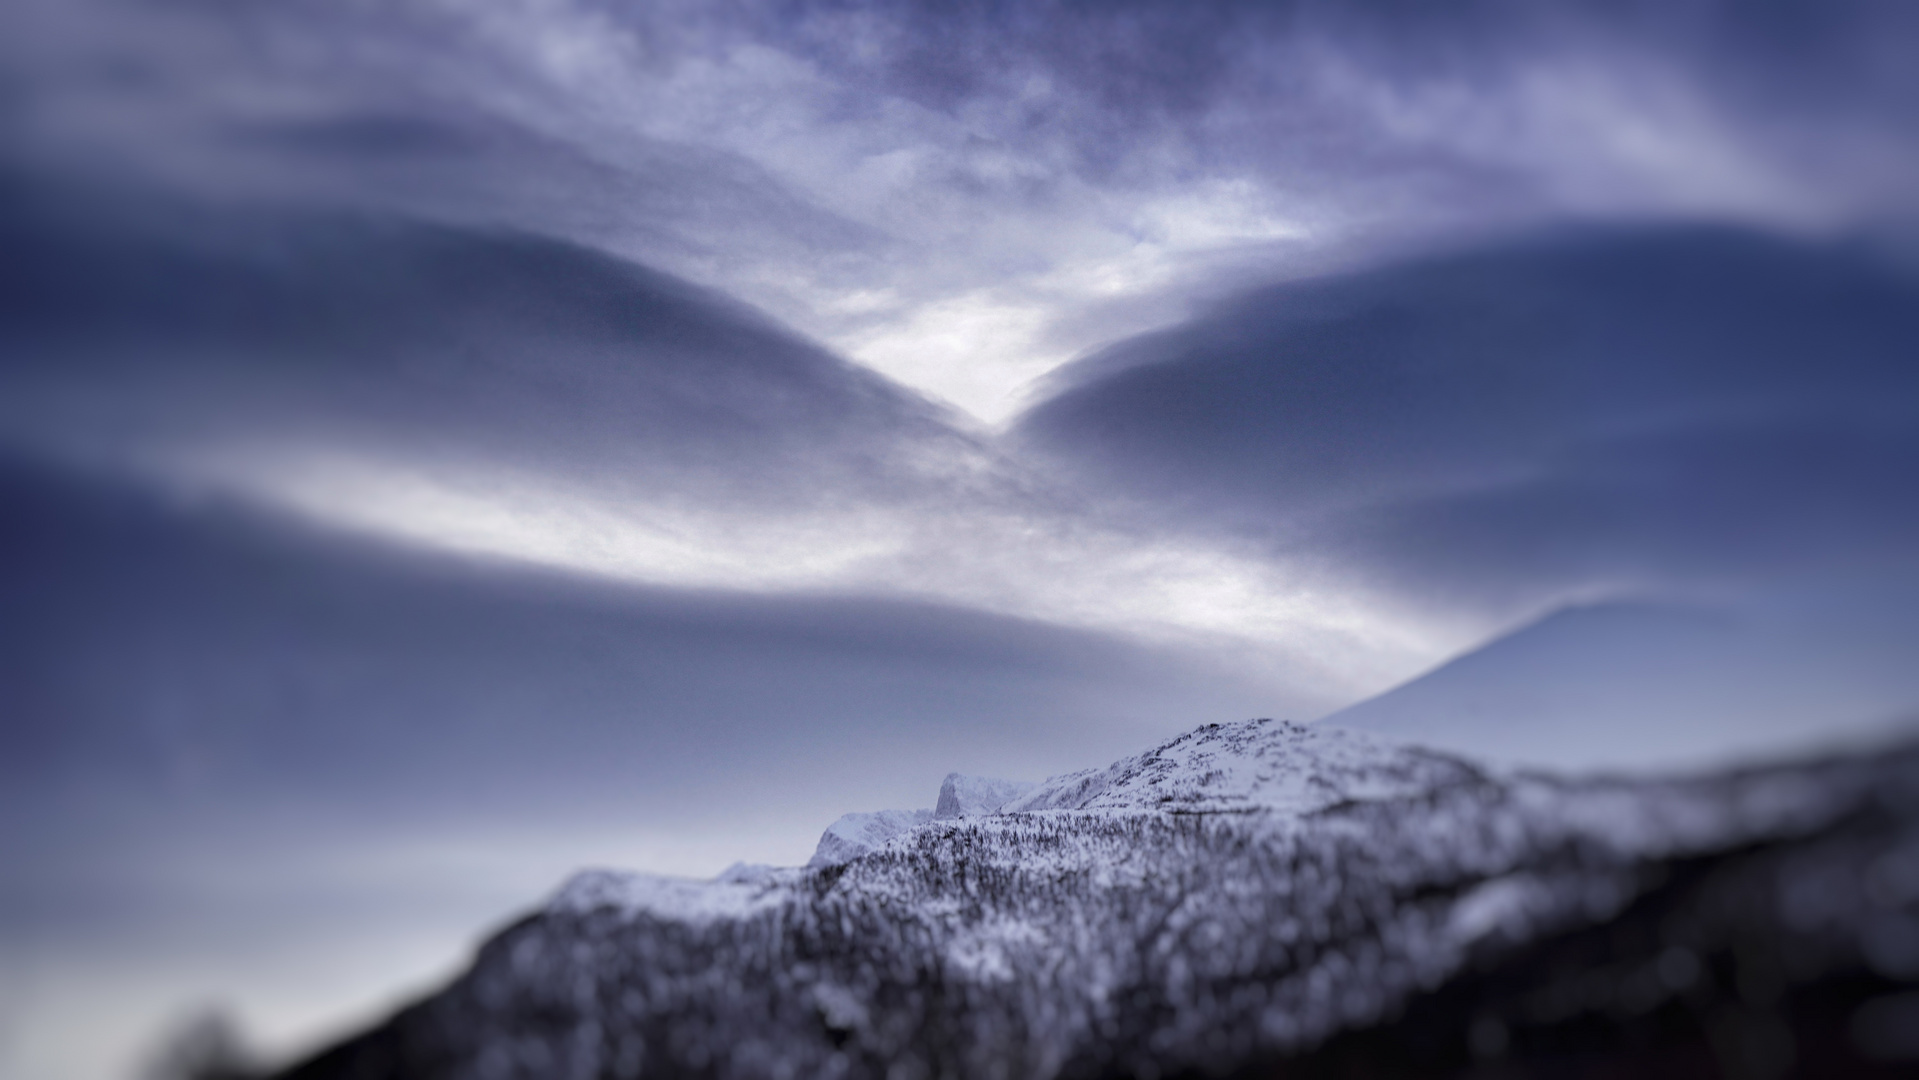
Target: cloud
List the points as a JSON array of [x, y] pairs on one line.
[[898, 180], [1594, 409], [473, 343], [440, 380], [494, 393], [447, 272]]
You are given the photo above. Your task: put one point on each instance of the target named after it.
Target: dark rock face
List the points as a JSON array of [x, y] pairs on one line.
[[1254, 899]]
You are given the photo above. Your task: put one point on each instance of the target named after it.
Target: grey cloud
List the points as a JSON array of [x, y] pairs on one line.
[[146, 321], [1362, 121], [384, 107], [1007, 183], [489, 390], [1583, 410], [1242, 85], [366, 137]]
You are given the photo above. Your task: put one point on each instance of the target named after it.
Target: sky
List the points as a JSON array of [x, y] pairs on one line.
[[444, 444]]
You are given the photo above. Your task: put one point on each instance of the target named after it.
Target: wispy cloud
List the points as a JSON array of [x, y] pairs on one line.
[[947, 192]]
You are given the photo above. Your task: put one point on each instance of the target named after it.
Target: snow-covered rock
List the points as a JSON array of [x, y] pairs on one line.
[[976, 796], [1238, 896], [681, 899], [1261, 764], [854, 835]]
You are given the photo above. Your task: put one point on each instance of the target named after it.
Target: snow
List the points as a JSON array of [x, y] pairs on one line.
[[976, 796], [742, 873], [681, 899], [1258, 764], [854, 835]]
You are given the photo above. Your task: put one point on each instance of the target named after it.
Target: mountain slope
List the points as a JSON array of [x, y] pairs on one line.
[[1234, 923], [1642, 685]]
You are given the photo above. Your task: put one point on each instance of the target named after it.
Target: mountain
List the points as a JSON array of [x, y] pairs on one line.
[[974, 796], [1255, 898], [1650, 685], [857, 834]]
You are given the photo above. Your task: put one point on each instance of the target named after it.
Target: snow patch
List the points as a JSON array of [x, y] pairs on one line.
[[682, 899], [1254, 765], [854, 835]]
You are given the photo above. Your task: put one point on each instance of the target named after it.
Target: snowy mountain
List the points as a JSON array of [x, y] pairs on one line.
[[1645, 685], [1244, 895], [1287, 768]]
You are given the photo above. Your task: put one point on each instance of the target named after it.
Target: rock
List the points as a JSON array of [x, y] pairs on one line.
[[976, 796]]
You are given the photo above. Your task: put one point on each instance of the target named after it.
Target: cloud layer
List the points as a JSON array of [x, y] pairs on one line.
[[1590, 412]]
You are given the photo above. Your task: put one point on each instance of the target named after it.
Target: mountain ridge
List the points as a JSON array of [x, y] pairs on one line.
[[1202, 936]]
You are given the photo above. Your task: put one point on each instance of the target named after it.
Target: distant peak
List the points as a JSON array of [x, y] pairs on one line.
[[964, 796]]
